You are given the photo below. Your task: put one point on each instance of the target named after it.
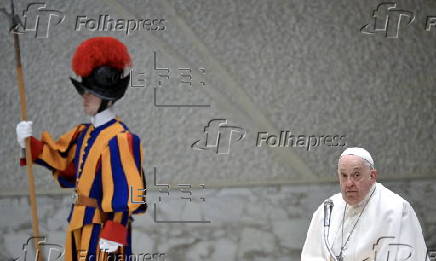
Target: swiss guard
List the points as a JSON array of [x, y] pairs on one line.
[[101, 160]]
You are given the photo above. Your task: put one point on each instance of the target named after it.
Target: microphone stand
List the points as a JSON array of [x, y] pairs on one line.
[[328, 206]]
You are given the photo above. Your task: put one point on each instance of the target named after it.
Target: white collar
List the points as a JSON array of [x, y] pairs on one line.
[[102, 117]]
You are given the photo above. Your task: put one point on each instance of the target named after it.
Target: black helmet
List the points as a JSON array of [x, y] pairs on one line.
[[101, 61]]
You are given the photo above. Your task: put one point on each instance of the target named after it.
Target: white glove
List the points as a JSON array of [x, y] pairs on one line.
[[24, 130], [109, 246]]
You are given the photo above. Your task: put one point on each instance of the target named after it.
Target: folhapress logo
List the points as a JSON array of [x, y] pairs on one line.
[[387, 248], [38, 18], [107, 23], [387, 18], [55, 251], [219, 136], [287, 139]]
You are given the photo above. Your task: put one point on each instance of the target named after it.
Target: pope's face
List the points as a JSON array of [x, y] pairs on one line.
[[355, 178], [91, 103]]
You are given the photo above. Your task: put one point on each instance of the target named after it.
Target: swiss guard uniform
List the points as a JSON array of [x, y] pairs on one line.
[[101, 160]]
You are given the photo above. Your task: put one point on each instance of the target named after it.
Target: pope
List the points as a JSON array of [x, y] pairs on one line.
[[366, 221]]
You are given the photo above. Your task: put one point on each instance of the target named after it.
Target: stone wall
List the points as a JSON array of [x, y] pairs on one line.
[[258, 223]]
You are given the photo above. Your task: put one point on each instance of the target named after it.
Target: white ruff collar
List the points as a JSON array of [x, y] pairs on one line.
[[102, 117]]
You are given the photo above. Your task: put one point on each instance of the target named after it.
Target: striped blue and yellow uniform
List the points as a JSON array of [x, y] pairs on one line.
[[102, 163]]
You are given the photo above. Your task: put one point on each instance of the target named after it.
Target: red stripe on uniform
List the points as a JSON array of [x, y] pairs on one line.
[[70, 171], [130, 140], [36, 148], [114, 232]]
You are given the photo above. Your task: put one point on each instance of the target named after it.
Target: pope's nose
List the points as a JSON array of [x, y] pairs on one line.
[[349, 183]]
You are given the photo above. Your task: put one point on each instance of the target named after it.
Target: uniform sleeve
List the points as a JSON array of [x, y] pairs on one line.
[[57, 156], [123, 185], [313, 246]]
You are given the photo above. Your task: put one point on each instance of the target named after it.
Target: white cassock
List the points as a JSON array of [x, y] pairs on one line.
[[387, 230]]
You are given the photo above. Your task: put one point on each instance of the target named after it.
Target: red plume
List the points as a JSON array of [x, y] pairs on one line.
[[100, 51]]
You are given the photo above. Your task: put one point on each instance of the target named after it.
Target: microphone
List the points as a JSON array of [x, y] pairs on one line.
[[328, 206]]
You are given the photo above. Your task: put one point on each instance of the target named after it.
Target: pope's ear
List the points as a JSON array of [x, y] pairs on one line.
[[373, 174]]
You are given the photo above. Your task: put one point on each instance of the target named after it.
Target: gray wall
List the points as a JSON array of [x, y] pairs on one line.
[[258, 223], [270, 66]]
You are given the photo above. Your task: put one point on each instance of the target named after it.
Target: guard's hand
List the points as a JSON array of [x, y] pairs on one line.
[[24, 130], [108, 246]]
